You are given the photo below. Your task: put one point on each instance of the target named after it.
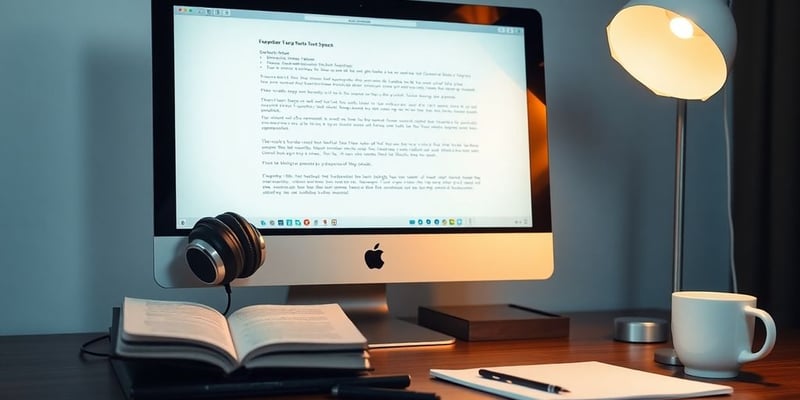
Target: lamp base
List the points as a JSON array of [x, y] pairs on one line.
[[641, 330], [667, 356]]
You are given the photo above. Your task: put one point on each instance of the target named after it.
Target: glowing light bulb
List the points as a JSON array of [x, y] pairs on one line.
[[681, 27]]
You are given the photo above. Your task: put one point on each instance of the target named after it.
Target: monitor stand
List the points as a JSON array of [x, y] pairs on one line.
[[366, 306]]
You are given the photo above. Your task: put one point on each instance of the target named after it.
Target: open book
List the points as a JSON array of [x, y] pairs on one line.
[[258, 336]]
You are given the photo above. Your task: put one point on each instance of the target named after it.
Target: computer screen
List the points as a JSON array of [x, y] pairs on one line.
[[370, 142]]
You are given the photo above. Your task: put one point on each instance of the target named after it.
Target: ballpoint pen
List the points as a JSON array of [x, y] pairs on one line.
[[270, 387], [516, 380]]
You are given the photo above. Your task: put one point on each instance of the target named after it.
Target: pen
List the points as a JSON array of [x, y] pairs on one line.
[[266, 387], [368, 392], [515, 380]]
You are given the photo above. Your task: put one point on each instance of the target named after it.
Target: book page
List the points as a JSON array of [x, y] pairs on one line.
[[293, 328], [166, 321]]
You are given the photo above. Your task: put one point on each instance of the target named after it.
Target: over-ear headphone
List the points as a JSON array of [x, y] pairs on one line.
[[224, 248]]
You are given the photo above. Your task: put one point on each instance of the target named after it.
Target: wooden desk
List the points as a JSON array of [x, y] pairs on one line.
[[48, 366]]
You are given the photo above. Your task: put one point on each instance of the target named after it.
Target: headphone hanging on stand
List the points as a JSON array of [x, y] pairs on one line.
[[224, 248]]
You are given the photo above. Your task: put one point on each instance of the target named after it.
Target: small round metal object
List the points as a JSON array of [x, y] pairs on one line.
[[641, 330]]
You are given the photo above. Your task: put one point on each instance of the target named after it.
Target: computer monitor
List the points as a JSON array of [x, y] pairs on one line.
[[343, 129]]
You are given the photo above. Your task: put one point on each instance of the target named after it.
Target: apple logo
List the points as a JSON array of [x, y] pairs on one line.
[[373, 257]]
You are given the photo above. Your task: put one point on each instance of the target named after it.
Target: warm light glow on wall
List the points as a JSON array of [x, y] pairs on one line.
[[538, 125]]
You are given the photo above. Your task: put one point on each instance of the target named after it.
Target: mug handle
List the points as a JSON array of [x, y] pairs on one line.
[[769, 341]]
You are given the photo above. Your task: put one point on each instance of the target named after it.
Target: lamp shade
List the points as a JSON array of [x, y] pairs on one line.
[[677, 48]]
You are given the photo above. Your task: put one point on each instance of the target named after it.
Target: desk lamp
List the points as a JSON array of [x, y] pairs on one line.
[[681, 49]]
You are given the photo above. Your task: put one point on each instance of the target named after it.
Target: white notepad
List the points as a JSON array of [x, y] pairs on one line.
[[584, 380]]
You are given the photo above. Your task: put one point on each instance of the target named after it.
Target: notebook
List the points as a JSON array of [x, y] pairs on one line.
[[584, 380]]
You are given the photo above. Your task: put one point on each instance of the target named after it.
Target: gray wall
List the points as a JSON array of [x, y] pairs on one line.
[[75, 195]]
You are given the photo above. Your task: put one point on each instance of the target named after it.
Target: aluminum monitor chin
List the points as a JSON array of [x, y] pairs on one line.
[[413, 130]]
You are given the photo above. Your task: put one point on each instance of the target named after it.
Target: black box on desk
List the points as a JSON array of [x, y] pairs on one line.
[[493, 322]]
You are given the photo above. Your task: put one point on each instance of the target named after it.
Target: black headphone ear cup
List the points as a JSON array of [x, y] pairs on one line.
[[258, 242], [249, 238], [210, 242]]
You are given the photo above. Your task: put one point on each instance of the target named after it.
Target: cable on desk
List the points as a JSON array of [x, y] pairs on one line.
[[85, 347]]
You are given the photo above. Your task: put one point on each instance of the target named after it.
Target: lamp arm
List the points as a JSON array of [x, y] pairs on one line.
[[680, 175]]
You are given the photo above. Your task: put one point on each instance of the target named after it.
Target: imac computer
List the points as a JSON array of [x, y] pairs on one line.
[[369, 142]]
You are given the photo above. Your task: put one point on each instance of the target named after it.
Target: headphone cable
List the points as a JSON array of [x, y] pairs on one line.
[[228, 305]]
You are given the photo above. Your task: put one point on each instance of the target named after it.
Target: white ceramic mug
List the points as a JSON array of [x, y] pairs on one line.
[[712, 332]]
